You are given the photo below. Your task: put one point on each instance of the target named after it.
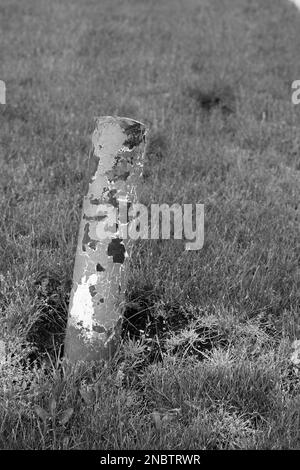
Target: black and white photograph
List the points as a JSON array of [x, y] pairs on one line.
[[149, 230]]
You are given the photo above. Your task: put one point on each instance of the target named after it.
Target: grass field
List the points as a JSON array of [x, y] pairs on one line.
[[212, 79]]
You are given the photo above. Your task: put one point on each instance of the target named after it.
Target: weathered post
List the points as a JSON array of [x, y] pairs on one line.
[[115, 167]]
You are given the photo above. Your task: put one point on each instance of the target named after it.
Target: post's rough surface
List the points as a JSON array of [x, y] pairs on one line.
[[115, 168]]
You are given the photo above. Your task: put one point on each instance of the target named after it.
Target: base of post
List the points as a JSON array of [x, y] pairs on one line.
[[79, 348]]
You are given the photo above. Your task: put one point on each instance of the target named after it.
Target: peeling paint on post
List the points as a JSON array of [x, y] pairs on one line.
[[115, 167]]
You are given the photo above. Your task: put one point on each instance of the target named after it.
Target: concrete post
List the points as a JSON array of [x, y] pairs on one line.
[[115, 167]]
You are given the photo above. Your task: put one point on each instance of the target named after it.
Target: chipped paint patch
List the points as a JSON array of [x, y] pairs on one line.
[[87, 240], [82, 308], [116, 249], [99, 268]]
